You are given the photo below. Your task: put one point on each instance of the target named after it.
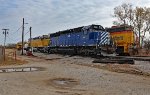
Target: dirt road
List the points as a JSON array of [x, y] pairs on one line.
[[64, 75]]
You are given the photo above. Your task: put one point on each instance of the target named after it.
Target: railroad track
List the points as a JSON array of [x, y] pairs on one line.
[[119, 59], [131, 57], [115, 59]]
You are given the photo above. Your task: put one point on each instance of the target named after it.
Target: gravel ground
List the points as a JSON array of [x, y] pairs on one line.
[[143, 65], [89, 80]]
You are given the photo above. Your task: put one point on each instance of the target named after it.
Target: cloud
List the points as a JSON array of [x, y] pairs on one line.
[[47, 16]]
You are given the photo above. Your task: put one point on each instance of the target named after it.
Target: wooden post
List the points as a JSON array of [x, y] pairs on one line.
[[22, 35], [4, 53], [15, 56], [30, 35]]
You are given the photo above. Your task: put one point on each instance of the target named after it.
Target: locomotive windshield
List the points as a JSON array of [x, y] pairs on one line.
[[97, 27]]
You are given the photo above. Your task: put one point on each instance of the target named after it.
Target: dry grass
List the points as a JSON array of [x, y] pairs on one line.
[[143, 52], [10, 58], [10, 61]]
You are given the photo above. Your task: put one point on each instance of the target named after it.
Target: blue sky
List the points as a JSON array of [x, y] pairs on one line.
[[48, 16]]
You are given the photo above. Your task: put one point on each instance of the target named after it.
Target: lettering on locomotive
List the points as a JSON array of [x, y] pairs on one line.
[[116, 38]]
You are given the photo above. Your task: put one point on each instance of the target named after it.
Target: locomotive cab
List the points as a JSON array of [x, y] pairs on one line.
[[104, 44]]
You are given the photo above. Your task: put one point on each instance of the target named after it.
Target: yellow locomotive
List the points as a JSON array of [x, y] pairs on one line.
[[19, 45], [40, 43], [123, 37]]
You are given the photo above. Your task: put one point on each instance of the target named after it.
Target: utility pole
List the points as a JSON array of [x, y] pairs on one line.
[[5, 32], [30, 35], [22, 35]]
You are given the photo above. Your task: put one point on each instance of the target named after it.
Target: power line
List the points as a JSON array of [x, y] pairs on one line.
[[17, 38], [13, 39], [16, 30], [13, 34], [27, 33]]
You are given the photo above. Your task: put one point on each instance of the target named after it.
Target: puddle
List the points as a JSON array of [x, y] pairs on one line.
[[20, 69], [63, 82]]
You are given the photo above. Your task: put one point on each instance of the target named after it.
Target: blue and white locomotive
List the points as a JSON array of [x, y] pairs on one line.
[[86, 40]]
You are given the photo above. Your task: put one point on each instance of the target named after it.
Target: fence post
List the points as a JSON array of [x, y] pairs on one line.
[[1, 54], [15, 56], [4, 53]]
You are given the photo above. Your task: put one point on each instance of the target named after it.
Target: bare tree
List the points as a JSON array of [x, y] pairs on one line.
[[123, 13], [137, 17]]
